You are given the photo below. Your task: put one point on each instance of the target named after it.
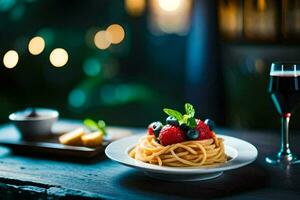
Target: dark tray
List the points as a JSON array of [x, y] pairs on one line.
[[10, 137]]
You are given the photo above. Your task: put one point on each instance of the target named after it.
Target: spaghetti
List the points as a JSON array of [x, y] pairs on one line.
[[190, 153]]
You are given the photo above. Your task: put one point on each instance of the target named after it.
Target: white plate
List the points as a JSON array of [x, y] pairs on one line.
[[241, 152]]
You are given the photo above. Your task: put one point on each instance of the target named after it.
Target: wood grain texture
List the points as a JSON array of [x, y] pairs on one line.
[[48, 177]]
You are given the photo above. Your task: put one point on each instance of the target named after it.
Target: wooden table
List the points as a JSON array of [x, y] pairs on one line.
[[24, 177]]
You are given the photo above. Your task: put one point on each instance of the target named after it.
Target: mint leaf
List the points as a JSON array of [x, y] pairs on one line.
[[101, 126], [94, 126], [185, 119], [173, 113], [90, 124], [189, 109], [191, 122]]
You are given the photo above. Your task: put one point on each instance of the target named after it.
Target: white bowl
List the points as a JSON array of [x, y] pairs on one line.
[[34, 126]]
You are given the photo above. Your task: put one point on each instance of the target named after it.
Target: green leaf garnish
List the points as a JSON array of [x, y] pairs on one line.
[[187, 118], [189, 109], [90, 124], [192, 122], [173, 113], [102, 125], [94, 126]]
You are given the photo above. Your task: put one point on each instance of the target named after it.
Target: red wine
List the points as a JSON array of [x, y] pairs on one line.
[[285, 92]]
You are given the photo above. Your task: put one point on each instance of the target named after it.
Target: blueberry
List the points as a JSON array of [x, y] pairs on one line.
[[172, 121], [157, 126], [210, 123], [184, 127], [192, 134]]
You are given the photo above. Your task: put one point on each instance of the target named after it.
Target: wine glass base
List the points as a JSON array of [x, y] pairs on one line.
[[283, 160]]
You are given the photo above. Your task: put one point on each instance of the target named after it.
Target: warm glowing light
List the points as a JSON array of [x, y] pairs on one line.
[[230, 18], [261, 5], [59, 57], [10, 59], [169, 5], [36, 45], [170, 16], [135, 7], [116, 33], [102, 40]]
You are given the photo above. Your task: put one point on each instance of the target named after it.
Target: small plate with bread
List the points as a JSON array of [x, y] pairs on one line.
[[67, 138]]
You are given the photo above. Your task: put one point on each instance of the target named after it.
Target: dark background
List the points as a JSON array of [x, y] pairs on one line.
[[218, 59]]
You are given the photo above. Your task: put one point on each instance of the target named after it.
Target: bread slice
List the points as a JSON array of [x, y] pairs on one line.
[[72, 137], [93, 139]]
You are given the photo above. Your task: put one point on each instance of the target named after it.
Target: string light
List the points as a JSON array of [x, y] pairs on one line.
[[116, 33], [170, 16], [135, 7], [10, 59], [36, 45], [102, 40], [58, 57], [169, 5]]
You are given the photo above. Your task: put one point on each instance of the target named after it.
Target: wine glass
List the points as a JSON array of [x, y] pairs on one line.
[[284, 88]]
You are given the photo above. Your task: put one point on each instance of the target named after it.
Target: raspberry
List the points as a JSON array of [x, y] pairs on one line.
[[204, 131], [171, 135], [211, 134]]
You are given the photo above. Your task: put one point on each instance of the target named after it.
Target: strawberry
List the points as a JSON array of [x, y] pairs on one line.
[[171, 135], [203, 129]]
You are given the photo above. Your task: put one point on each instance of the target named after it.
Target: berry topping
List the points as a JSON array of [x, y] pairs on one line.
[[181, 126], [184, 127], [192, 134], [203, 129], [154, 128], [172, 121], [210, 123], [150, 130], [170, 135]]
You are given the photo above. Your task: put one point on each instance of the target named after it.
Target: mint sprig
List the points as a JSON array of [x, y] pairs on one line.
[[173, 113], [94, 126], [189, 109], [187, 118]]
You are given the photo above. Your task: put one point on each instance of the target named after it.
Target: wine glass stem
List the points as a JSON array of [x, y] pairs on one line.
[[285, 149]]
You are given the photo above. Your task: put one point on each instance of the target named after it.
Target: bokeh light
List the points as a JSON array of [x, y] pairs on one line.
[[135, 7], [58, 57], [6, 4], [92, 67], [169, 5], [170, 16], [102, 40], [116, 33], [10, 59], [77, 98], [36, 45]]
